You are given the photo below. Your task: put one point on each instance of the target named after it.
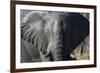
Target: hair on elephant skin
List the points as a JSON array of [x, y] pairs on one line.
[[51, 35]]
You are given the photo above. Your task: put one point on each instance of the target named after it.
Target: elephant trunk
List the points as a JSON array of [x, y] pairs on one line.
[[57, 43], [57, 50]]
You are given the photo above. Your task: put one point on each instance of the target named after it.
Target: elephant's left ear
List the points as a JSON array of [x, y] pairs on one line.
[[77, 20]]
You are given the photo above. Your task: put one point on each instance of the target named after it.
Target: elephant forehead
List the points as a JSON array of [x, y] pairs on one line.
[[52, 20], [52, 16], [51, 27]]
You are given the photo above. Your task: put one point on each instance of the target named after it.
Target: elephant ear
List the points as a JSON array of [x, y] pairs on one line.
[[32, 30], [79, 30], [29, 25]]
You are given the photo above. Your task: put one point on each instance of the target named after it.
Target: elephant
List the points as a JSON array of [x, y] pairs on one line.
[[54, 34]]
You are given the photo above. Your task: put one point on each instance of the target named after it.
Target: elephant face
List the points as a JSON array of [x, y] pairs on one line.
[[54, 34]]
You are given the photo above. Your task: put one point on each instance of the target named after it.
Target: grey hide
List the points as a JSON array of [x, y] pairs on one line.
[[53, 36]]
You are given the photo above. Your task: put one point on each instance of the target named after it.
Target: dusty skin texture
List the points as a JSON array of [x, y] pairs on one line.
[[54, 36]]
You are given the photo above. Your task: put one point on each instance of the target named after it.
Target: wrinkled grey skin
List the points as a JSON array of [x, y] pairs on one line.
[[54, 34]]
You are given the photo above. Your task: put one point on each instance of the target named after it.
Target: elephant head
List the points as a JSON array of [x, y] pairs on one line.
[[54, 34]]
